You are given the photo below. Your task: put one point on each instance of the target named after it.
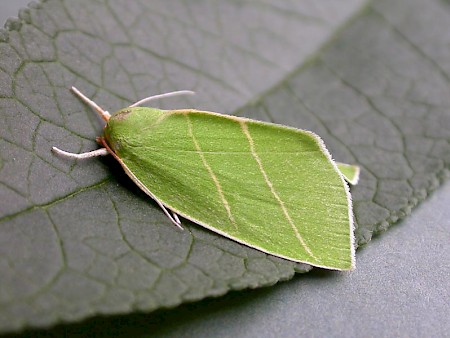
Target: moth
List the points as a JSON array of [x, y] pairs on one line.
[[271, 187]]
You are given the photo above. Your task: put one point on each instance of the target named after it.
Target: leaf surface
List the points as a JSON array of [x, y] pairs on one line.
[[78, 239]]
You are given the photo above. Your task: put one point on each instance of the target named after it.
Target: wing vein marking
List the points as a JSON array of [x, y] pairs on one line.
[[210, 172], [245, 130]]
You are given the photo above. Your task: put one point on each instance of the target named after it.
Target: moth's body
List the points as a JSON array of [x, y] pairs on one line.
[[264, 185], [229, 173]]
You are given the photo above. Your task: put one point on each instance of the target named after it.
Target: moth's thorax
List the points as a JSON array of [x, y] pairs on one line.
[[128, 125], [122, 114]]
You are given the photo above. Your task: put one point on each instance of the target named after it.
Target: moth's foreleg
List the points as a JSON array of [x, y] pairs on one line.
[[173, 217]]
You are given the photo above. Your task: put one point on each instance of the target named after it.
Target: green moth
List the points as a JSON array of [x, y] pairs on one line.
[[268, 186]]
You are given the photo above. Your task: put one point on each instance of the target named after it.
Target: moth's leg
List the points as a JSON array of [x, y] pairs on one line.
[[161, 96], [173, 218], [94, 153]]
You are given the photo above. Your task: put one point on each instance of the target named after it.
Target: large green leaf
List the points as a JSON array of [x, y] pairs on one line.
[[78, 239]]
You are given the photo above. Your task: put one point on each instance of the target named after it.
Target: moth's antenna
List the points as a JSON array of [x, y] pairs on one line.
[[103, 113], [160, 96]]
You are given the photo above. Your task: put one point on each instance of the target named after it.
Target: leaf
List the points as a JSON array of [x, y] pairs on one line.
[[78, 239]]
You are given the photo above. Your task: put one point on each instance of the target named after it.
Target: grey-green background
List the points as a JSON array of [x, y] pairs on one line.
[[401, 288]]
